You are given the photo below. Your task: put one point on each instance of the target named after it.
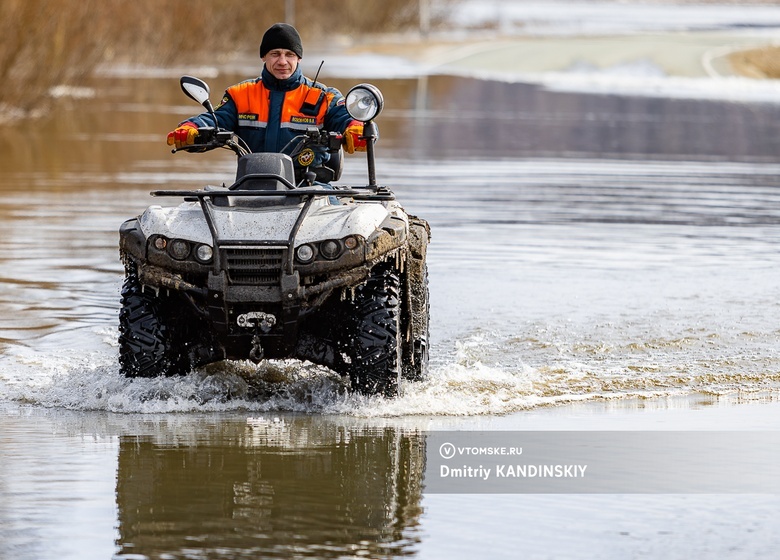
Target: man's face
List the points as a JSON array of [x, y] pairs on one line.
[[281, 63]]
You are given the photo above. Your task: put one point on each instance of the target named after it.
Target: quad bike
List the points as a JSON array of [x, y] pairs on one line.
[[278, 267]]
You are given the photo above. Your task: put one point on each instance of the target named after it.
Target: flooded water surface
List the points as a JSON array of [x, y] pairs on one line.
[[617, 251]]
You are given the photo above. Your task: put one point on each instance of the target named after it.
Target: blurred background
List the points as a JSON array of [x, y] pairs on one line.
[[48, 43], [50, 47]]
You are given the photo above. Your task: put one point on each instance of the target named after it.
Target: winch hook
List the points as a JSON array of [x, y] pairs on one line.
[[256, 353]]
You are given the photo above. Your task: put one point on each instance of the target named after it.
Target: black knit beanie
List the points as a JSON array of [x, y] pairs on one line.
[[281, 36]]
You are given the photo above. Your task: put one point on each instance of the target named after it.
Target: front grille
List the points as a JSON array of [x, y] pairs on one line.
[[254, 266]]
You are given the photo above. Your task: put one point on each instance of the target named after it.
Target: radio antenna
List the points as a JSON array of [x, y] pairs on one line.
[[317, 75]]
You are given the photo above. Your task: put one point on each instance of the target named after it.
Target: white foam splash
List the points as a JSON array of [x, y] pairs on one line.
[[483, 374]]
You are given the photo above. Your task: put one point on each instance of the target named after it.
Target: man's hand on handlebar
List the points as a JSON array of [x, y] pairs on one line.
[[353, 138], [183, 136]]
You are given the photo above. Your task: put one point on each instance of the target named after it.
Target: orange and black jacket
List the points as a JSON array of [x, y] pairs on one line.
[[267, 113]]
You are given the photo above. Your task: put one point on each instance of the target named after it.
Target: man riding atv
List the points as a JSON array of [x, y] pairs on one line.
[[270, 111], [280, 264]]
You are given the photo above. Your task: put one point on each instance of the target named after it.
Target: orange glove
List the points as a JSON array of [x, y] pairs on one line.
[[184, 135], [353, 137]]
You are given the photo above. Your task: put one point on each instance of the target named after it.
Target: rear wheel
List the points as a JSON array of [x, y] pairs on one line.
[[375, 343], [148, 344], [415, 355], [416, 310]]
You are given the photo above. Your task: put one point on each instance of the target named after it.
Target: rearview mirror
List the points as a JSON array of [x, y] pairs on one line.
[[195, 89]]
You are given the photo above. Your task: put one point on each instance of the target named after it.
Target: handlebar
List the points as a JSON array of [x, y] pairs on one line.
[[209, 138], [315, 137]]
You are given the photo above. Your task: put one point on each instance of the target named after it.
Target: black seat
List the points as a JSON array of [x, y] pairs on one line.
[[264, 163]]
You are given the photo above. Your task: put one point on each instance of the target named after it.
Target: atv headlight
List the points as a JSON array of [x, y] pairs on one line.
[[203, 253], [305, 254], [179, 249], [364, 102], [330, 249]]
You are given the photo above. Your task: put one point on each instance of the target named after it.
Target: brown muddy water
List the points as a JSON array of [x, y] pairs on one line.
[[616, 252]]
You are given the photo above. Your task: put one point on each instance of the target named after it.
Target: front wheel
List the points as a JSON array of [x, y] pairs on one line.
[[147, 343], [376, 339]]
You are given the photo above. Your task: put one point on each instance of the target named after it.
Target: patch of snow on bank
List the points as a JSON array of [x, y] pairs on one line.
[[637, 78], [569, 18], [725, 88]]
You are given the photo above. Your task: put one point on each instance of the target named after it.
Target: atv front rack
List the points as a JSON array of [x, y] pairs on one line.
[[357, 193], [376, 193]]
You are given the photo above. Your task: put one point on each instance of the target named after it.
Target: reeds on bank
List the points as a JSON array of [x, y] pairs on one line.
[[47, 43]]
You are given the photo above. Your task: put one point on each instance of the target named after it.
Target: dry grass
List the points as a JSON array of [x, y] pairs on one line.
[[46, 43], [757, 63]]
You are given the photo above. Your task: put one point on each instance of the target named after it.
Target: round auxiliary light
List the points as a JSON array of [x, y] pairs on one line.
[[204, 253], [160, 243], [179, 249], [305, 253], [330, 249], [364, 102]]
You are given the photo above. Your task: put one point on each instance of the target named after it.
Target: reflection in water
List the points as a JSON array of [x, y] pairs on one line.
[[96, 485], [296, 487]]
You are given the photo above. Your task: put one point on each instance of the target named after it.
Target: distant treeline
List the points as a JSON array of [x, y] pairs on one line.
[[45, 43]]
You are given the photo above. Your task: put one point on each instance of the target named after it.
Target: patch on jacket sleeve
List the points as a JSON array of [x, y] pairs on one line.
[[247, 116], [225, 99]]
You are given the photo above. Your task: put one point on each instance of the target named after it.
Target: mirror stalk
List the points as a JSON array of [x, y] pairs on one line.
[[370, 134]]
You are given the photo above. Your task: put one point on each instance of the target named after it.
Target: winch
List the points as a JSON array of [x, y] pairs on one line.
[[256, 319]]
